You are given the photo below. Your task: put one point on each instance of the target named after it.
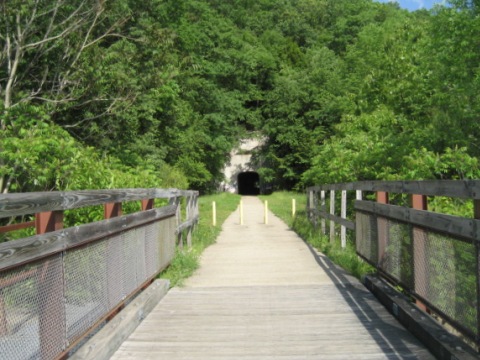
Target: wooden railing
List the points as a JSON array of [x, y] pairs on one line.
[[434, 256], [60, 284]]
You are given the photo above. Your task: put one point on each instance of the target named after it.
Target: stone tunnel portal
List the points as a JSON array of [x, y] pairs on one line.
[[248, 183]]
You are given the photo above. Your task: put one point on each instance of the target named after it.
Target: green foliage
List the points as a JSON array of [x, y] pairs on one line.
[[342, 90], [186, 260], [280, 203], [41, 156]]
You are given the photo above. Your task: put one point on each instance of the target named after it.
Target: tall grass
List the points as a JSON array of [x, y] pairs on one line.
[[186, 260], [280, 205]]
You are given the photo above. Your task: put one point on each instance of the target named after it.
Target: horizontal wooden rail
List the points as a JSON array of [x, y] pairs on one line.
[[465, 229], [185, 225], [464, 189], [19, 252], [36, 202], [337, 219]]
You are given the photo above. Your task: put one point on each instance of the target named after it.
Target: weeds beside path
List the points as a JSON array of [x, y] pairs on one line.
[[186, 260]]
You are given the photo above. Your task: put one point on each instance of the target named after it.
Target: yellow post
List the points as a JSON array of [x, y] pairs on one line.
[[294, 207], [214, 213], [241, 212], [266, 212]]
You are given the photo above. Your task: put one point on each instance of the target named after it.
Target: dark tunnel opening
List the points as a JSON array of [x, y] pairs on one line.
[[248, 183]]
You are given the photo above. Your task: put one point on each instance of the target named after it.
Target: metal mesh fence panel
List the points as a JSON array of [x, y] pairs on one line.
[[85, 287], [48, 305], [449, 279], [101, 275], [129, 263], [366, 239], [397, 259], [32, 321], [152, 247], [167, 244], [439, 268]]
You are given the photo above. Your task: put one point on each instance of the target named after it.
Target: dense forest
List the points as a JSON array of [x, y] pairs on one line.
[[123, 93]]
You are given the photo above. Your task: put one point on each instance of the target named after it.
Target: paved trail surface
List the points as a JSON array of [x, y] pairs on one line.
[[261, 293]]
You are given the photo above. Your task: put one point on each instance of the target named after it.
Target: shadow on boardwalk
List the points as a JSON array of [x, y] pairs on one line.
[[392, 337], [260, 294]]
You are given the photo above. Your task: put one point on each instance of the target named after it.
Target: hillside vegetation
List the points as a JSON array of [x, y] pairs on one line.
[[124, 93]]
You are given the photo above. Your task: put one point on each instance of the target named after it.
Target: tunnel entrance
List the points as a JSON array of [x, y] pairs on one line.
[[248, 183]]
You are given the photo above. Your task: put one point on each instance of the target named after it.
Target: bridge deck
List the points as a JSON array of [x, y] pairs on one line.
[[260, 293]]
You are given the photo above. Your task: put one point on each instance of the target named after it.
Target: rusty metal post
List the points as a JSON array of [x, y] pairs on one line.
[[419, 202], [147, 204], [50, 280], [48, 221], [112, 210], [382, 228]]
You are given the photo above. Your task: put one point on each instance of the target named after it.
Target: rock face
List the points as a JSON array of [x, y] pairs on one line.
[[240, 175]]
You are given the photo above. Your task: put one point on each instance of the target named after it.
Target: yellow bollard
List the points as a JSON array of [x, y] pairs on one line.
[[214, 213], [266, 212], [294, 207]]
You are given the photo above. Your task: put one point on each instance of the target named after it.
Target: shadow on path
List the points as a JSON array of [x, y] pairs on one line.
[[390, 335]]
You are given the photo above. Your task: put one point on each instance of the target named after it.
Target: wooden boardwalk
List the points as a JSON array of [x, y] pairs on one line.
[[261, 293]]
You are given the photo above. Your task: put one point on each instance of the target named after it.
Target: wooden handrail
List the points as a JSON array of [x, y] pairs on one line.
[[410, 245], [37, 202], [142, 242], [464, 189]]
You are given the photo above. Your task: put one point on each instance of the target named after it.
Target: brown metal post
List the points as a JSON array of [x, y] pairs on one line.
[[112, 210], [48, 221], [147, 204], [420, 273], [382, 228], [50, 280]]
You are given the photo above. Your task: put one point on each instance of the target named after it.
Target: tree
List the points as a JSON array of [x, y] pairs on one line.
[[42, 42], [453, 52], [41, 45]]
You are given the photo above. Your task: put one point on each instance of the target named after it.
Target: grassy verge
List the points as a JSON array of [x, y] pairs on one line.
[[280, 205], [186, 260]]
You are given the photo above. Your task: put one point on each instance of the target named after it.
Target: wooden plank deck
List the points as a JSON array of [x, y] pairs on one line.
[[261, 293]]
